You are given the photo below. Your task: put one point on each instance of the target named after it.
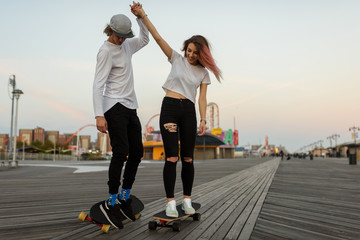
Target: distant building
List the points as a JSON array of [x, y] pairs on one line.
[[62, 139], [103, 142], [27, 135], [255, 147], [39, 135], [320, 152], [85, 142], [69, 139], [52, 136], [4, 141]]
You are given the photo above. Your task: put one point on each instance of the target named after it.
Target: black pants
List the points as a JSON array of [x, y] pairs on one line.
[[178, 122], [126, 142]]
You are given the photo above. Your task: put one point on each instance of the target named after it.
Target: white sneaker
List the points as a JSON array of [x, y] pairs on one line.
[[171, 209], [187, 207]]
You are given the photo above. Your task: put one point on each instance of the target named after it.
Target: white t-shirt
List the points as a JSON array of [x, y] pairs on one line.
[[114, 79], [185, 78]]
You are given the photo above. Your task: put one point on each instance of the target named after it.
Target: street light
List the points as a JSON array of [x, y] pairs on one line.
[[55, 148], [320, 142], [354, 130], [16, 93], [334, 136], [12, 83], [330, 138]]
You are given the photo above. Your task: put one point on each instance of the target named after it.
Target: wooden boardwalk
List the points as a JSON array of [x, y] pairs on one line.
[[230, 206], [241, 199]]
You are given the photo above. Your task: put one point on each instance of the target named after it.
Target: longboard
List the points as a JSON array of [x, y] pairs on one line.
[[98, 218], [173, 222]]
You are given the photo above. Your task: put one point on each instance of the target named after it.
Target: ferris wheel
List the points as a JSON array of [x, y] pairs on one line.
[[212, 114]]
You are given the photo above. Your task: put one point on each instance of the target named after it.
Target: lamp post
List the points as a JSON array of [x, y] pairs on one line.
[[23, 150], [335, 136], [330, 138], [55, 148], [354, 130], [320, 142], [12, 83], [16, 93], [77, 146]]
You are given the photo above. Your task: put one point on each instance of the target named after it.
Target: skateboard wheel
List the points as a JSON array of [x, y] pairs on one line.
[[105, 228], [152, 225], [82, 216], [176, 227], [137, 216], [196, 217]]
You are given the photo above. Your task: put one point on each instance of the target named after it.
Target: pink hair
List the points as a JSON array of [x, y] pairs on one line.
[[205, 58]]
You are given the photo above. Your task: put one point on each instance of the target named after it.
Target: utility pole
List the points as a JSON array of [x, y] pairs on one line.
[[12, 83], [54, 148], [321, 141], [330, 137], [355, 134], [336, 136], [16, 93]]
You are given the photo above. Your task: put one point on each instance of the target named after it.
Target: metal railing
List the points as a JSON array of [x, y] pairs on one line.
[[37, 156]]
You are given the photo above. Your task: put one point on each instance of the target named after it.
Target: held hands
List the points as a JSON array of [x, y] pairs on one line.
[[137, 10], [202, 128], [101, 124]]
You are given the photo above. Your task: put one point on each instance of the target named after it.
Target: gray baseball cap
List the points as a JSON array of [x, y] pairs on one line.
[[121, 25]]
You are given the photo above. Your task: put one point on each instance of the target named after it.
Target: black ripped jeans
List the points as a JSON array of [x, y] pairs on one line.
[[126, 142], [178, 122]]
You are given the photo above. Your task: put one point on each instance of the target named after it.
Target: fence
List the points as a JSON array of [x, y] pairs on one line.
[[37, 156]]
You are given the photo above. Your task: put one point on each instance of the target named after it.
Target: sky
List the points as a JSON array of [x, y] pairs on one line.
[[291, 68]]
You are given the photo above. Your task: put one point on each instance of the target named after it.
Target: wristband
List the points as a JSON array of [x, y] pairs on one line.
[[203, 119]]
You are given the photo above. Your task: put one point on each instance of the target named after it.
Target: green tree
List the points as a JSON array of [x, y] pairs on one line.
[[37, 144], [48, 145], [20, 144]]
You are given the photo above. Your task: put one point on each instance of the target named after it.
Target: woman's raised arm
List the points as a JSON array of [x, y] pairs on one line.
[[138, 10]]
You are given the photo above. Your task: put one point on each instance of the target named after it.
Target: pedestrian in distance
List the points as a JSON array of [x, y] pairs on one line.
[[178, 116], [115, 105]]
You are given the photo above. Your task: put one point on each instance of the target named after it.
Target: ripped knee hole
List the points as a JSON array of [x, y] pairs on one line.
[[171, 127], [172, 159], [188, 160]]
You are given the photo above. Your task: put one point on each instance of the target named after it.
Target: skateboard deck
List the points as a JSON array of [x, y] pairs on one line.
[[98, 218], [174, 222]]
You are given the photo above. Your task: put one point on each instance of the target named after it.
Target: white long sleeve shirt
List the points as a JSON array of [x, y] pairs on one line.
[[114, 79]]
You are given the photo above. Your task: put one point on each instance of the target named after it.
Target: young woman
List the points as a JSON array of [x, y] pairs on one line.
[[115, 107], [178, 116]]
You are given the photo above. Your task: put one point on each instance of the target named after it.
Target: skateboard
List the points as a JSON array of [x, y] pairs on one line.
[[98, 218], [173, 222]]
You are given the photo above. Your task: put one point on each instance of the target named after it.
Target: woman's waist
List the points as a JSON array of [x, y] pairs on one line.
[[176, 95]]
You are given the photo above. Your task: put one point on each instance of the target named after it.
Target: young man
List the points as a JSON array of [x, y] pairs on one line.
[[115, 107]]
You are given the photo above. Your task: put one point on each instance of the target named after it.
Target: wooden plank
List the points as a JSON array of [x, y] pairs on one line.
[[238, 225], [277, 230], [311, 200], [250, 224]]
